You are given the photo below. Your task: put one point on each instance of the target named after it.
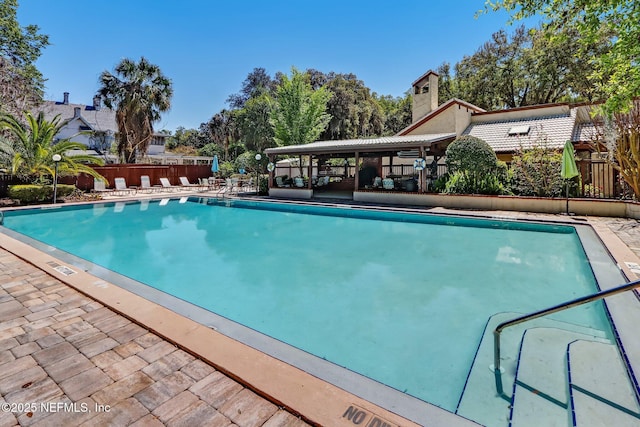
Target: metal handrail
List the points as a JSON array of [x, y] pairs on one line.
[[573, 303]]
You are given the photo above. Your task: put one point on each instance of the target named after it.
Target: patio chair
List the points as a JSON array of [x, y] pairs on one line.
[[121, 187], [145, 184], [166, 185], [281, 183], [377, 182], [388, 184], [184, 182], [100, 187], [298, 182], [205, 183]]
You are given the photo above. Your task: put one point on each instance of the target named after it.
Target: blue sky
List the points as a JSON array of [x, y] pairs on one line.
[[208, 47]]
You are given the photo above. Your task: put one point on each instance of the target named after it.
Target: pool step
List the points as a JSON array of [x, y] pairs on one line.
[[479, 401], [540, 392], [600, 391]]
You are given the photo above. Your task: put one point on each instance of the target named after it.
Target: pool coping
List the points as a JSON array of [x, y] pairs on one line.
[[302, 392]]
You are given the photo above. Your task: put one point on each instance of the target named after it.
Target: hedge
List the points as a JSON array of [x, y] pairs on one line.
[[38, 193]]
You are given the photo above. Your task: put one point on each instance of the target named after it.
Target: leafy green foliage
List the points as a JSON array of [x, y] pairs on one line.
[[465, 182], [616, 70], [528, 67], [21, 84], [39, 193], [139, 92], [254, 122], [299, 115], [536, 172], [473, 168], [620, 136], [354, 111], [471, 154], [227, 169], [30, 149]]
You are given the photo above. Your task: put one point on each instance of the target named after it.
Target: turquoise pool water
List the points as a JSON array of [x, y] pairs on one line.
[[400, 298]]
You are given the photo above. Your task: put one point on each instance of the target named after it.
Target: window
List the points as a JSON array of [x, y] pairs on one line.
[[519, 130]]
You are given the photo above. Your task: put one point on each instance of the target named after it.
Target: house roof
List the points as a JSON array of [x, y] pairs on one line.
[[430, 115], [525, 133], [585, 132], [102, 119], [425, 75], [363, 145]]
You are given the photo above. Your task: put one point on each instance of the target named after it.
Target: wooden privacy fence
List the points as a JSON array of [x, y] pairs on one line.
[[132, 173]]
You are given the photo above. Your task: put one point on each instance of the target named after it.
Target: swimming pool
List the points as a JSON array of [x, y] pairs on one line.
[[397, 297]]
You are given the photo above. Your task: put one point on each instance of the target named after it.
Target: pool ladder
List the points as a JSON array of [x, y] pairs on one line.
[[560, 307]]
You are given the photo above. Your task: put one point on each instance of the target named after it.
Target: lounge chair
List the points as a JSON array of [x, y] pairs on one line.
[[99, 187], [145, 184], [184, 182], [166, 185], [121, 187], [206, 183]]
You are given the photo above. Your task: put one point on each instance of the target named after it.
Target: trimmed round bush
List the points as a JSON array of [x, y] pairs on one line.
[[471, 154]]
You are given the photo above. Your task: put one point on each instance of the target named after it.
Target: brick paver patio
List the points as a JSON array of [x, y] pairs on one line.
[[67, 360]]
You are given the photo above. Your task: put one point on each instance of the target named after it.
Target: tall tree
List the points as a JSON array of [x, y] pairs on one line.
[[21, 84], [616, 70], [619, 135], [354, 111], [528, 67], [397, 112], [299, 115], [223, 130], [257, 82], [138, 92], [30, 148], [254, 123]]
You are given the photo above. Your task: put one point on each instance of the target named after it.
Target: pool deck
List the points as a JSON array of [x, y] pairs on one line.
[[71, 340]]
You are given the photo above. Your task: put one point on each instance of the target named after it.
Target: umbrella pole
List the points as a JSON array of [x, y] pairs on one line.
[[567, 197]]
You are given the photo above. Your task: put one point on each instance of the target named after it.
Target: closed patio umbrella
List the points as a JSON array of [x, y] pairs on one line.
[[569, 168], [214, 164]]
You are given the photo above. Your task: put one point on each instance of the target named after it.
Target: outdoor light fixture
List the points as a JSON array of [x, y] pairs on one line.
[[258, 157], [56, 158]]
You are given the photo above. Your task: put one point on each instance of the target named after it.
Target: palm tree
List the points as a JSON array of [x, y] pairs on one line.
[[29, 150], [138, 92]]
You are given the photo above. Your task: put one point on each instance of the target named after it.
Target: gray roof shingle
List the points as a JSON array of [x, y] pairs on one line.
[[373, 144], [99, 119], [555, 129]]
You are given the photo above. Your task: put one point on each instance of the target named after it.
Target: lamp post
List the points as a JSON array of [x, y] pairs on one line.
[[56, 158], [258, 157]]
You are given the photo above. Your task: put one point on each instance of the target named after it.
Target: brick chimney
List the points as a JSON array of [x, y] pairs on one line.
[[425, 95], [76, 112], [66, 98]]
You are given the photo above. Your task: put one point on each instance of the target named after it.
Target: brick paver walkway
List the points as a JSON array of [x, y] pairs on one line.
[[66, 360]]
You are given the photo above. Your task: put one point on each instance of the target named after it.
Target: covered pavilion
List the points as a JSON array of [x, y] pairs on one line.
[[366, 152]]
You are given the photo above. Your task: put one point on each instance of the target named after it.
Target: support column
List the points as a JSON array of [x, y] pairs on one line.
[[271, 173], [310, 172], [356, 175], [423, 175]]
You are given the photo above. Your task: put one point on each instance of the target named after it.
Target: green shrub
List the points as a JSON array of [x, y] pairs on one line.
[[263, 184], [473, 168], [38, 193], [471, 154], [463, 182], [227, 169], [440, 184], [536, 172]]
